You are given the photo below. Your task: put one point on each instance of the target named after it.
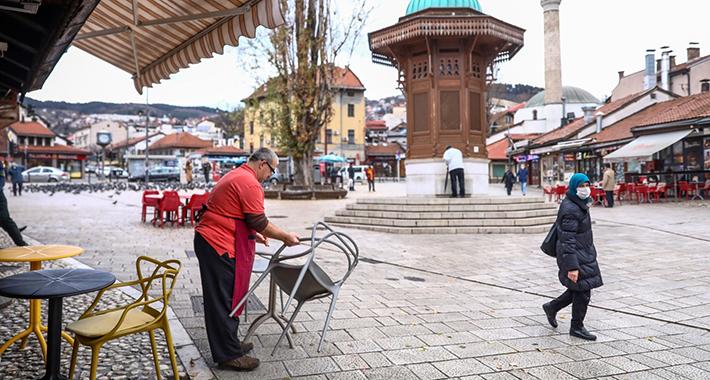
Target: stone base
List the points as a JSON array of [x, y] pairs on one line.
[[425, 177]]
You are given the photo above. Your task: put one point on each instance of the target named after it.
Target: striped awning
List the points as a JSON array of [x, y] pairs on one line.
[[153, 39]]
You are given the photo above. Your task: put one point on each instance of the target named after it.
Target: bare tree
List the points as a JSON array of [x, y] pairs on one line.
[[303, 53]]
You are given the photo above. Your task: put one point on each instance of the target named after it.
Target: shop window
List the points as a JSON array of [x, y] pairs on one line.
[[678, 159], [351, 110], [693, 154], [707, 153]]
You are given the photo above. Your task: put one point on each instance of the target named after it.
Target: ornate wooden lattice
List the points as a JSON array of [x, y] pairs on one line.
[[419, 70], [449, 67]]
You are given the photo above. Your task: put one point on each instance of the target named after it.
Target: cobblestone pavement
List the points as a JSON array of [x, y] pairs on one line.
[[129, 357], [452, 306]]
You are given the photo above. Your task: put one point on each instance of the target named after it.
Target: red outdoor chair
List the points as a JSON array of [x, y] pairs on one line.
[[598, 196], [642, 194], [684, 188], [657, 191], [192, 207], [619, 189], [169, 208], [631, 191], [560, 192], [148, 202], [548, 191]]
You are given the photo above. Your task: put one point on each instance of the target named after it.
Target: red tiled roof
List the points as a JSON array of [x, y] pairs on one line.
[[181, 140], [227, 150], [130, 142], [578, 124], [375, 124], [498, 150], [383, 150], [31, 128], [343, 78], [56, 149]]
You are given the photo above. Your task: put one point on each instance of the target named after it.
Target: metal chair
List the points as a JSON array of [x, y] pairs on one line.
[[308, 281], [145, 314]]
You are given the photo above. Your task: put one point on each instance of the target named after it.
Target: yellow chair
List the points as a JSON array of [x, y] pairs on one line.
[[93, 329]]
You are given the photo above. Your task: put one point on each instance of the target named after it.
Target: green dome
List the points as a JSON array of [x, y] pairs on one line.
[[574, 95], [420, 5]]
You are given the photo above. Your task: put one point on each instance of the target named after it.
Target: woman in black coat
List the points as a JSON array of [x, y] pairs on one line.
[[508, 179], [576, 257]]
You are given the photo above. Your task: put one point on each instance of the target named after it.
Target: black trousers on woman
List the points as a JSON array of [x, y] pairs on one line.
[[579, 301], [217, 273]]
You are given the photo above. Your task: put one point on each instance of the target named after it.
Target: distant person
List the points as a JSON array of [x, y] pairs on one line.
[[523, 178], [576, 257], [351, 177], [16, 175], [370, 173], [206, 171], [454, 164], [608, 184], [508, 179], [6, 222], [188, 172]]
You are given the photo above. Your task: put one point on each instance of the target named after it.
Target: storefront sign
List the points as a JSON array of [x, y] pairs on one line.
[[569, 157], [525, 158]]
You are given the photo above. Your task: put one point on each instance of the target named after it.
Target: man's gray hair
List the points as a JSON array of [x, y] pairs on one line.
[[264, 154]]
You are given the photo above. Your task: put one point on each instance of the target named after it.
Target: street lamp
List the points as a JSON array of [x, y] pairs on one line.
[[145, 163]]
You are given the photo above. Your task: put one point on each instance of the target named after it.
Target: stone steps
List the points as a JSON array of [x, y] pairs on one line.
[[448, 230], [475, 215], [448, 214]]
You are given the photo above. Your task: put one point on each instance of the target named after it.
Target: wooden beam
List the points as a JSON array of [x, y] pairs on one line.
[[101, 33], [135, 54], [16, 43]]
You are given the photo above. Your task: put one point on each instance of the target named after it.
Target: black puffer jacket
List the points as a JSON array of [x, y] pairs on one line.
[[575, 246]]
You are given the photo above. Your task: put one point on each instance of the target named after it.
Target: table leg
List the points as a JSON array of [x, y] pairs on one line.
[[54, 338]]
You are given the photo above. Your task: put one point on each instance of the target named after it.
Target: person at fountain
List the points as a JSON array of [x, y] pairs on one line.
[[230, 225], [576, 257], [188, 172], [206, 170], [370, 173], [454, 163], [351, 177], [508, 179], [15, 173]]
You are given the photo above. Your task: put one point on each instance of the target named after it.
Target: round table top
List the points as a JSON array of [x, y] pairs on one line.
[[33, 253], [54, 283]]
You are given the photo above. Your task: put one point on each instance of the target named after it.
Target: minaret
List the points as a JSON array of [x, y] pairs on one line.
[[553, 65]]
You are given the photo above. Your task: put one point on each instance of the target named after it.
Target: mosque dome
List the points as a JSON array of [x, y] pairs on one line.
[[573, 95], [420, 5]]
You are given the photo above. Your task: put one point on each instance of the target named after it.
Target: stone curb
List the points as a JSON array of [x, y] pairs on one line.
[[186, 350]]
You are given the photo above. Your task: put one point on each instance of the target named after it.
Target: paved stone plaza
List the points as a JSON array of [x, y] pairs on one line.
[[435, 307]]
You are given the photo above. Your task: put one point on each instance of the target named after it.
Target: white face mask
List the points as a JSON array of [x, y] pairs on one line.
[[584, 192]]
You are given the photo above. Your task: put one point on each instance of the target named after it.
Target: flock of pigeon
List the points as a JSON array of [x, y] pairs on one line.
[[116, 187]]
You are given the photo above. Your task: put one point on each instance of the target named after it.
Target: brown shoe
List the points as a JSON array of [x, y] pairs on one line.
[[243, 363], [246, 347]]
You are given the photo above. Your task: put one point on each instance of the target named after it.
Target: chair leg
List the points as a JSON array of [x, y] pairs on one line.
[[155, 354], [327, 319], [72, 362], [94, 361], [288, 325], [171, 349]]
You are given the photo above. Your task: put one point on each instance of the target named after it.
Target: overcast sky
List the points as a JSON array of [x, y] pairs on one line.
[[598, 39]]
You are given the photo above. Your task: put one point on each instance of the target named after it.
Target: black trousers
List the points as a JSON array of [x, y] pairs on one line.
[[610, 198], [370, 185], [7, 224], [217, 273], [16, 186], [509, 189], [457, 177], [579, 301]]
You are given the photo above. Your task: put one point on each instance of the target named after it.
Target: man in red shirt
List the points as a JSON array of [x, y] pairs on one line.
[[224, 244]]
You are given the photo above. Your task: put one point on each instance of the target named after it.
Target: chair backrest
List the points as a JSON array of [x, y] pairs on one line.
[[170, 201], [154, 274], [332, 239], [150, 201], [197, 200], [547, 189]]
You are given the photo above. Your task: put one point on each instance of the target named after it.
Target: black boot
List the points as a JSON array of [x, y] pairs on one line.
[[582, 333], [551, 314]]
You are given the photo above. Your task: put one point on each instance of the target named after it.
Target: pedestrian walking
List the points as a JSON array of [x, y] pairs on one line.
[[188, 172], [523, 178], [576, 257], [6, 222], [608, 184], [15, 173], [233, 221], [351, 177], [508, 179], [454, 163], [206, 170], [370, 173]]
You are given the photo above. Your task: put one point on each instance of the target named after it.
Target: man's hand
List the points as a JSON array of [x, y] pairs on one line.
[[573, 275], [291, 239], [261, 239]]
